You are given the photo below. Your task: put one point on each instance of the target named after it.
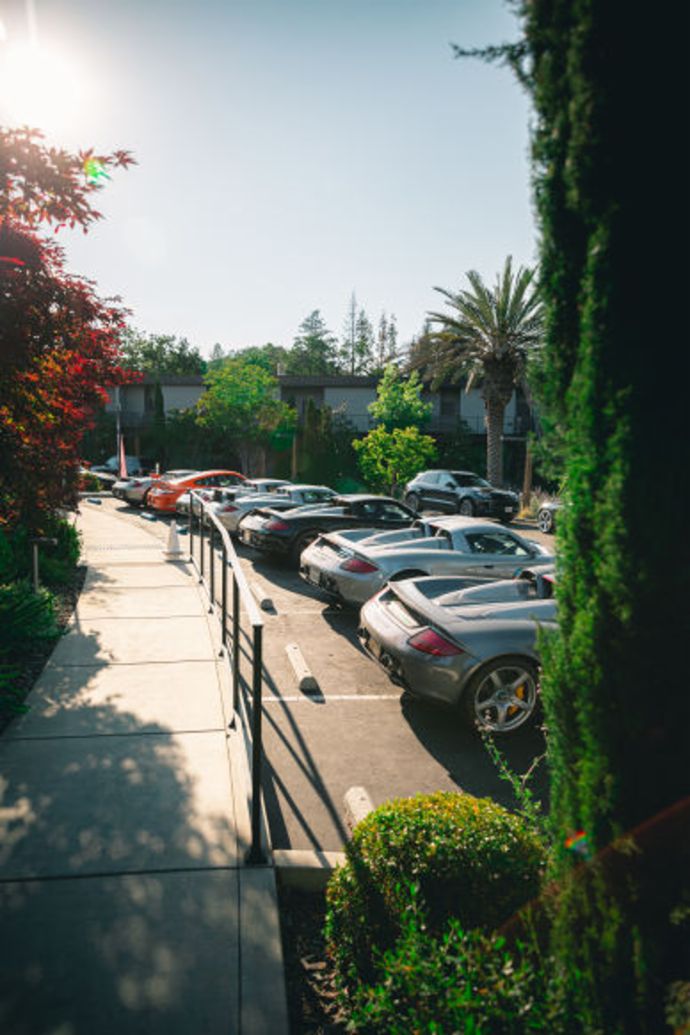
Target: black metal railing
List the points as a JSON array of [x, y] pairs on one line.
[[209, 532]]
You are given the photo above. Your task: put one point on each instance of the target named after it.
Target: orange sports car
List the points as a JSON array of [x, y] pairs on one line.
[[164, 494]]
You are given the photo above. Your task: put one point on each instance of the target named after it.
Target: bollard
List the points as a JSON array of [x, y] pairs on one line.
[[35, 542]]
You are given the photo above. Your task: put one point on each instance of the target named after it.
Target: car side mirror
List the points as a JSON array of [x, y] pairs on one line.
[[451, 485]]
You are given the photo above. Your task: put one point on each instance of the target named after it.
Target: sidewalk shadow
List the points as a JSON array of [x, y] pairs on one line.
[[117, 949]]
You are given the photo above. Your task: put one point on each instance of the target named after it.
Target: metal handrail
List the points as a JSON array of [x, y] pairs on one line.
[[242, 597]]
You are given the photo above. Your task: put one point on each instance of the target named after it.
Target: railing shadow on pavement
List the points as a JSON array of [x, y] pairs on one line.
[[232, 602]]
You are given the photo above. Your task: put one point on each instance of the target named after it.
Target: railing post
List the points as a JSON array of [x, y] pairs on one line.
[[256, 854], [201, 541], [191, 526], [212, 564], [224, 597], [235, 643]]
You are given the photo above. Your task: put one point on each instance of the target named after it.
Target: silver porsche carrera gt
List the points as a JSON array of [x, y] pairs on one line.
[[470, 647], [352, 566]]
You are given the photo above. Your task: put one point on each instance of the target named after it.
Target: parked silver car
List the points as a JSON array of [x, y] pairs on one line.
[[134, 489], [290, 497], [472, 648], [263, 492], [353, 572], [546, 516]]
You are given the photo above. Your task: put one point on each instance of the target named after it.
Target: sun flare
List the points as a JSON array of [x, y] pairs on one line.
[[40, 87]]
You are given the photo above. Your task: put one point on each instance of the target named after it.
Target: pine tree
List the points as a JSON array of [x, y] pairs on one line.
[[364, 344], [314, 349], [348, 343]]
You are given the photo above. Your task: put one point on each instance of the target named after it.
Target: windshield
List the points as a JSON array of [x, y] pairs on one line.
[[466, 480]]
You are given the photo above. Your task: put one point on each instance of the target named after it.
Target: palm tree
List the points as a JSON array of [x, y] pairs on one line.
[[486, 338]]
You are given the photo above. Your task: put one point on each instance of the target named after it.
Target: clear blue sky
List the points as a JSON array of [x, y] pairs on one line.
[[290, 152]]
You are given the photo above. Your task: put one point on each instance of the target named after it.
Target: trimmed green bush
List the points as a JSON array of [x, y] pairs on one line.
[[25, 617], [461, 981], [56, 563], [470, 858]]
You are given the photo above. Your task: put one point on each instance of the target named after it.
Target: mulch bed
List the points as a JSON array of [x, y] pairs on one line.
[[311, 995], [31, 663]]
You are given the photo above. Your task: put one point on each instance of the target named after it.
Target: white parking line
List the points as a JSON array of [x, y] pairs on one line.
[[271, 698]]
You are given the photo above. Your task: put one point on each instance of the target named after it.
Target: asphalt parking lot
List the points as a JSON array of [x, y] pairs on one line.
[[358, 729]]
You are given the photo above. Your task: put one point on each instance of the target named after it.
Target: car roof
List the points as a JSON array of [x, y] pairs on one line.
[[308, 485], [452, 522], [208, 474], [354, 497]]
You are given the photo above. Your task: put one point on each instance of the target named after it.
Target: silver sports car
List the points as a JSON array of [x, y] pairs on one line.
[[285, 496], [469, 647], [352, 571]]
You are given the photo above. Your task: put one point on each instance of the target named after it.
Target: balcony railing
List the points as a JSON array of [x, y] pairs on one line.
[[231, 602]]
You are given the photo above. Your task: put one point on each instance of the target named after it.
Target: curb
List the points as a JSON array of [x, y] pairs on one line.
[[304, 869]]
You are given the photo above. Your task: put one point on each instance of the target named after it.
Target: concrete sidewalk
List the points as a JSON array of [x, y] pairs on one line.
[[125, 904]]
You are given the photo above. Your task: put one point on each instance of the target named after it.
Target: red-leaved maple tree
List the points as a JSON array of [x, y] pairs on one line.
[[59, 342]]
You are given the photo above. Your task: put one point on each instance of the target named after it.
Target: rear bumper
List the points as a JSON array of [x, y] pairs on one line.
[[266, 542]]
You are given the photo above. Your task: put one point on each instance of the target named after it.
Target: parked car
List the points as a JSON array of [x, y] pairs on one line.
[[164, 494], [472, 648], [134, 490], [286, 497], [455, 545], [109, 471], [546, 515], [290, 532], [251, 486], [461, 492]]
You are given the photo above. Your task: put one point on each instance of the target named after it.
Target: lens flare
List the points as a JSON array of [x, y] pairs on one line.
[[94, 170]]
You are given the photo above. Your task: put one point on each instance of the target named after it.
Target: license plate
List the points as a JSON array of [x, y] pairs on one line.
[[509, 510]]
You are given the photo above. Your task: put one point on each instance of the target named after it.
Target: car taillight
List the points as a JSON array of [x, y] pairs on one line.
[[358, 565], [136, 482], [430, 642], [228, 509], [276, 526]]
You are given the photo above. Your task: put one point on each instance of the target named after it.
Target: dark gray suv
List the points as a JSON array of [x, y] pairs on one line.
[[460, 492]]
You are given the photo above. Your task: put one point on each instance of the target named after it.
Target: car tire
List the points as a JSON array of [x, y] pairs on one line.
[[507, 520], [487, 699], [145, 499], [466, 508], [412, 501], [545, 521], [302, 543]]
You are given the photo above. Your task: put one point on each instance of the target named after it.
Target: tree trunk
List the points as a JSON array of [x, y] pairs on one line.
[[527, 475], [494, 440]]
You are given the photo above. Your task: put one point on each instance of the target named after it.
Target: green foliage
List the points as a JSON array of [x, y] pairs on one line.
[[356, 354], [457, 981], [388, 459], [25, 617], [314, 350], [89, 482], [56, 562], [470, 858], [461, 450], [486, 337], [325, 453], [268, 356], [189, 445], [158, 354], [398, 403], [240, 403]]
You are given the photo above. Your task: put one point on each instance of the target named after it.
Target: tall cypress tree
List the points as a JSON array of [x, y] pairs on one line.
[[609, 98], [611, 184]]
